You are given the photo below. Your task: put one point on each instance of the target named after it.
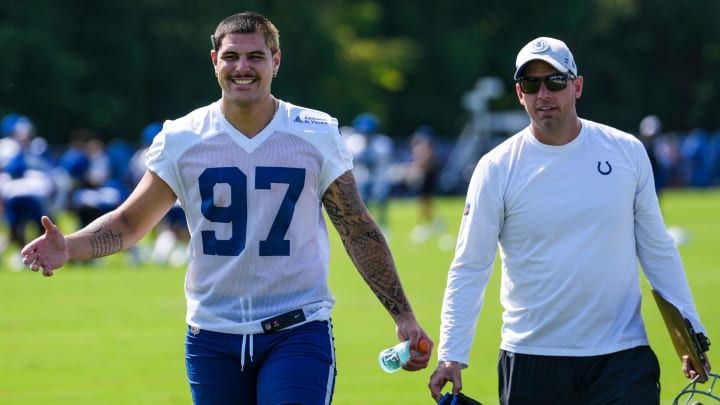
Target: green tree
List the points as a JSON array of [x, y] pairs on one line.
[[116, 65]]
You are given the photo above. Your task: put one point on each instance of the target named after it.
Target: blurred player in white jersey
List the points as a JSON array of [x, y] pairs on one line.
[[375, 160], [253, 174]]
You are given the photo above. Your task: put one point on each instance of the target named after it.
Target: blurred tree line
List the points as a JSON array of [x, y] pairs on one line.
[[116, 65]]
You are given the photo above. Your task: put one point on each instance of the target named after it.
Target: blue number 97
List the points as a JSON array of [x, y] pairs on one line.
[[236, 212]]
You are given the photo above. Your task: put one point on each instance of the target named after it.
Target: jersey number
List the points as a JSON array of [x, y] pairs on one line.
[[236, 212]]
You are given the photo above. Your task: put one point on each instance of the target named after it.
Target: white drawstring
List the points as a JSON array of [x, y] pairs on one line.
[[252, 340], [244, 340], [242, 358]]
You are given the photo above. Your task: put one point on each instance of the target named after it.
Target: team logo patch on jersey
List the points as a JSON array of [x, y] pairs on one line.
[[466, 211]]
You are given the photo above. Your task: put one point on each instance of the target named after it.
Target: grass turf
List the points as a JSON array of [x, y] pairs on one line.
[[112, 332]]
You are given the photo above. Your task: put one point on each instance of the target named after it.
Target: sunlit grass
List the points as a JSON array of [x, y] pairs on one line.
[[112, 332]]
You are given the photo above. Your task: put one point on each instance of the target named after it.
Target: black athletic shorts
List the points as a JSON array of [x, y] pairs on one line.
[[626, 377]]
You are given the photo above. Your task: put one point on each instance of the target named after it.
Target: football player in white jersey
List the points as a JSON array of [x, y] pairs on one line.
[[572, 206], [253, 174]]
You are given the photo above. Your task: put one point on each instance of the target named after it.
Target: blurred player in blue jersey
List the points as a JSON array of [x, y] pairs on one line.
[[26, 186], [253, 174], [99, 191], [171, 233]]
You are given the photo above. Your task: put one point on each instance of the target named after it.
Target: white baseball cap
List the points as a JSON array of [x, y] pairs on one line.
[[550, 50]]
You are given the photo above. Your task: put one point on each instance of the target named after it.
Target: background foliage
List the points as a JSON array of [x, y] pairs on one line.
[[116, 65]]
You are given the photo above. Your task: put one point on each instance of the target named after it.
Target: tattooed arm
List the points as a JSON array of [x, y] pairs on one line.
[[108, 234], [370, 253]]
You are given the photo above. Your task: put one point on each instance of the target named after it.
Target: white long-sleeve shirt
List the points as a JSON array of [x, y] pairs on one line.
[[571, 223]]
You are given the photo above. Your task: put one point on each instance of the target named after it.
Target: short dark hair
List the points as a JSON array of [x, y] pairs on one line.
[[246, 23]]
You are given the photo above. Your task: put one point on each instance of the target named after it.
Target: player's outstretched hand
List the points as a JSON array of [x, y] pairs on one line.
[[48, 251]]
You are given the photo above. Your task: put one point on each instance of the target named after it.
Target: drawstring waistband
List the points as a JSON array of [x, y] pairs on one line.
[[307, 313], [319, 311]]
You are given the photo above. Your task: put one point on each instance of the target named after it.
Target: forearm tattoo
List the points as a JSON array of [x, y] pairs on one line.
[[364, 243], [104, 241]]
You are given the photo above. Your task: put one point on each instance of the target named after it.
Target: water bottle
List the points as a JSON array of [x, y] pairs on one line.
[[392, 359]]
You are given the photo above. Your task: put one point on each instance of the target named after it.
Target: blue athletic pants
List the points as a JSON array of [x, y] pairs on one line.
[[290, 366]]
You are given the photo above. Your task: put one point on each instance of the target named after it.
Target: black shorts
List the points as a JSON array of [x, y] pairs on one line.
[[627, 377]]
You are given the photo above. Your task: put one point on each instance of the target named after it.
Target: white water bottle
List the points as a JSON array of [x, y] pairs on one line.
[[392, 359]]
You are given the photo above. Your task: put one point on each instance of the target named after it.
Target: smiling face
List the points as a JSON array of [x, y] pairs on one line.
[[552, 114], [244, 66]]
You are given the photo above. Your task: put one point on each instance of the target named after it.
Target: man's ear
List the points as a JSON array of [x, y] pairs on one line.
[[276, 62], [578, 83], [520, 94]]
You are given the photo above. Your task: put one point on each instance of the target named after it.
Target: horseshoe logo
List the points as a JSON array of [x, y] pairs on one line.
[[604, 173]]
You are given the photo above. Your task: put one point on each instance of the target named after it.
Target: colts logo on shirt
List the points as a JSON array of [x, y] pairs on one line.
[[604, 169], [466, 211]]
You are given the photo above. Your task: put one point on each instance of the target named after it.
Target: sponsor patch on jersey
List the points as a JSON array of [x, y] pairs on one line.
[[309, 118], [466, 211]]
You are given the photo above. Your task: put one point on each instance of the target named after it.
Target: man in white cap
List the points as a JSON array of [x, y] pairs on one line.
[[572, 206]]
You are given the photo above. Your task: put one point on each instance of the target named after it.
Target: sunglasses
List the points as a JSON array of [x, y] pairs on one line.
[[554, 82]]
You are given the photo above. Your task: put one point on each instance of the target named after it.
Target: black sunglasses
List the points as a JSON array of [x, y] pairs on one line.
[[554, 82]]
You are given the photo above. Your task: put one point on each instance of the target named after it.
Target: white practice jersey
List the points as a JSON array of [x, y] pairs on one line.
[[259, 244], [571, 222]]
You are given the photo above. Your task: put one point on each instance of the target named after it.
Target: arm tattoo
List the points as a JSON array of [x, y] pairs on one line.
[[103, 241], [344, 206], [364, 243]]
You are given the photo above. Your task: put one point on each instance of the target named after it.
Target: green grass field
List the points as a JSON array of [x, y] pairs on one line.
[[113, 332]]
